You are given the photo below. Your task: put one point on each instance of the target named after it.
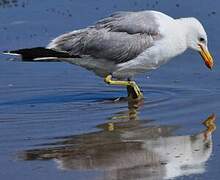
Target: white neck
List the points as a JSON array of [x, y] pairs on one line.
[[191, 29]]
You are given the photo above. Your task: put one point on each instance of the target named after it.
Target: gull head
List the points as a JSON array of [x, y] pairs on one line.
[[196, 39]]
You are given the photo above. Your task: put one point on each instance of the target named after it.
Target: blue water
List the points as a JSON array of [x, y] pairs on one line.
[[58, 121]]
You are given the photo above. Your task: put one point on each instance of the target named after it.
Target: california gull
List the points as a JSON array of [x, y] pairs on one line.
[[125, 44]]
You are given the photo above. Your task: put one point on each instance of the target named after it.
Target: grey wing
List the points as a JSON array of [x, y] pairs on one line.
[[118, 38], [131, 22]]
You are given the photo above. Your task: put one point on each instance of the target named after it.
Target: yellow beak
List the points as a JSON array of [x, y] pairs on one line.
[[207, 57]]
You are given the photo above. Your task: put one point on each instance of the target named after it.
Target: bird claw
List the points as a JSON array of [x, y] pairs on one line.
[[134, 92]]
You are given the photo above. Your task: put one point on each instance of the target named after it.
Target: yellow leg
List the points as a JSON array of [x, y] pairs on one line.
[[132, 87]]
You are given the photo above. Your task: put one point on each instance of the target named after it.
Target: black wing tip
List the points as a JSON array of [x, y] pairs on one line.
[[5, 52], [30, 54], [10, 52]]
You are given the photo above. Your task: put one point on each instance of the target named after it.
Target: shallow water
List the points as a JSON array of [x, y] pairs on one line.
[[58, 121]]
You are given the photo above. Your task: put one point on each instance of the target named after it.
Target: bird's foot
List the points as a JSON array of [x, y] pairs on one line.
[[134, 92]]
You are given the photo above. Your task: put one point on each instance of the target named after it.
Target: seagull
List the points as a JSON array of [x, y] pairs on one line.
[[125, 44]]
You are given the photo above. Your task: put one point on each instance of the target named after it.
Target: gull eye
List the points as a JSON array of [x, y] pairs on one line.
[[201, 39]]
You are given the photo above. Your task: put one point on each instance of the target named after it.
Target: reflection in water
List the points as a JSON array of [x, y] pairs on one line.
[[130, 149]]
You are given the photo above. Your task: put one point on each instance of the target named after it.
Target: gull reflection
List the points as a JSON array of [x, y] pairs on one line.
[[128, 148]]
